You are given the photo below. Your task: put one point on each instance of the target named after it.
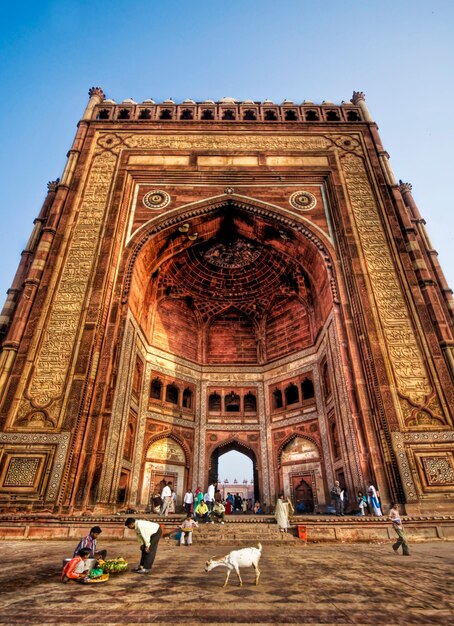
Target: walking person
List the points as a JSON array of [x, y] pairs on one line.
[[394, 516], [282, 513], [166, 498], [336, 498], [148, 536], [374, 503]]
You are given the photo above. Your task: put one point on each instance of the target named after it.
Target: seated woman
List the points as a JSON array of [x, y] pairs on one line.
[[70, 570], [201, 512], [257, 508]]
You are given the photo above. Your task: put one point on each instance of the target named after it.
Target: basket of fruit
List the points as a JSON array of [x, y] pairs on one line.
[[114, 566], [95, 575]]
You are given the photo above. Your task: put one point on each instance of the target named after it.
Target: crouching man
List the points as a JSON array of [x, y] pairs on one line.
[[148, 536]]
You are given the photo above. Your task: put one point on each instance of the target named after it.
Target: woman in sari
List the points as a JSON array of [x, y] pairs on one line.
[[282, 513]]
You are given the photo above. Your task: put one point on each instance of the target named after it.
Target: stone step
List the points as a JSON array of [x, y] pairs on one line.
[[244, 534]]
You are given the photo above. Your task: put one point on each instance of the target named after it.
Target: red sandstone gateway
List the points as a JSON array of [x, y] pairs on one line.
[[208, 277]]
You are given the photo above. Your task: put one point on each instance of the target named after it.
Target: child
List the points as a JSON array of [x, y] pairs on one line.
[[186, 530], [69, 572]]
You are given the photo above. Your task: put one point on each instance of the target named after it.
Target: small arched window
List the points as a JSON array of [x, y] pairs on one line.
[[103, 114], [277, 399], [332, 116], [270, 116], [307, 389], [232, 402], [312, 116], [124, 114], [249, 115], [187, 114], [353, 116], [228, 114], [290, 116], [145, 114], [326, 380], [291, 394], [187, 398], [172, 393], [207, 114], [156, 389], [250, 403], [335, 440], [214, 403], [166, 114], [129, 442]]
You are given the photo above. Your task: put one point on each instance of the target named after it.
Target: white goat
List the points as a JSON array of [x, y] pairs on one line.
[[247, 557]]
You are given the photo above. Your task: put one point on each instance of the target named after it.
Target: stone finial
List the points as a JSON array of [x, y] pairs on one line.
[[96, 91], [357, 97], [52, 185], [405, 187]]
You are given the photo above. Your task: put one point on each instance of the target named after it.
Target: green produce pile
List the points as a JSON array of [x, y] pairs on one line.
[[113, 566]]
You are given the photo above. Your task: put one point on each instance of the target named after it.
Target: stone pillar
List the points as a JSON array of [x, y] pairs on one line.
[[359, 99], [96, 97]]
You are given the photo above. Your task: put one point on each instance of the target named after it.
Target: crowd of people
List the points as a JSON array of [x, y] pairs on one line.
[[207, 508], [364, 504]]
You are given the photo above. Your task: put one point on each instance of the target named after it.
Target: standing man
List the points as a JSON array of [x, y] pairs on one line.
[[188, 501], [209, 500], [166, 496], [148, 536], [394, 516], [336, 497]]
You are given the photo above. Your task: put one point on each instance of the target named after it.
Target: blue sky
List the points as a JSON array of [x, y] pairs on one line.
[[400, 53]]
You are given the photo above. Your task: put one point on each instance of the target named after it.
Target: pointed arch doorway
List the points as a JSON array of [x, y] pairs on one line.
[[213, 475]]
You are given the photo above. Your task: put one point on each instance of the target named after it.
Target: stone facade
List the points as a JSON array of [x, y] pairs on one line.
[[216, 276]]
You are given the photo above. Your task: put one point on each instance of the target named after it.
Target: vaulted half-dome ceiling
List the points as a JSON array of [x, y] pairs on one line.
[[236, 295]]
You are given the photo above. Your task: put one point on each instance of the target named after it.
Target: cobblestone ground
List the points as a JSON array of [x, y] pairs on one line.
[[316, 584]]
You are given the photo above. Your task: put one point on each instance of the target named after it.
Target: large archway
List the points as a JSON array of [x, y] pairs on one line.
[[231, 311], [242, 449]]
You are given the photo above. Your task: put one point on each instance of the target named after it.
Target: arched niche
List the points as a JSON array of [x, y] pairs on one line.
[[302, 473], [165, 459]]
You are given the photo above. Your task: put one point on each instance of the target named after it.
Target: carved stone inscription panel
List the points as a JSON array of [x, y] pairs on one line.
[[47, 383], [411, 377]]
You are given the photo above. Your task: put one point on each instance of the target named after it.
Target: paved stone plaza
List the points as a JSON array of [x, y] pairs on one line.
[[315, 584]]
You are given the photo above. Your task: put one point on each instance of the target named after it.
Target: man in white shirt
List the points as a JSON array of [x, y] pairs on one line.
[[148, 536], [188, 501], [166, 497], [209, 497]]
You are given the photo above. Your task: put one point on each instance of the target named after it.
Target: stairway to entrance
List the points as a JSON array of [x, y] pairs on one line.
[[244, 533]]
